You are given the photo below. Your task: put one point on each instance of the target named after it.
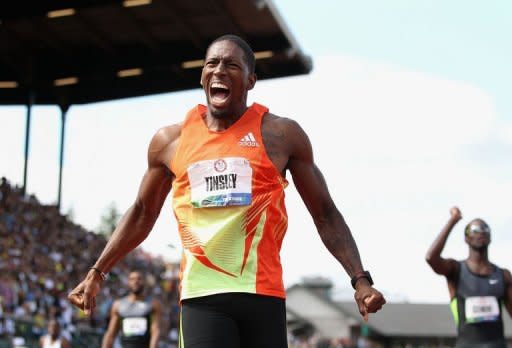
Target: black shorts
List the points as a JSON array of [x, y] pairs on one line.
[[233, 320]]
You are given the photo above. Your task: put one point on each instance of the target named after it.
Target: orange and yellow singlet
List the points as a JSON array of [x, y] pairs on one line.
[[228, 199]]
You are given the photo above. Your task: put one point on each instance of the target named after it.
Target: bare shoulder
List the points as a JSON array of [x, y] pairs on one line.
[[279, 122], [115, 305], [284, 128], [163, 145], [508, 276], [165, 136], [284, 139]]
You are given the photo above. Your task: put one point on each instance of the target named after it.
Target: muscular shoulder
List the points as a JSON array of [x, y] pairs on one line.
[[163, 144], [279, 122], [164, 137], [286, 129], [284, 140]]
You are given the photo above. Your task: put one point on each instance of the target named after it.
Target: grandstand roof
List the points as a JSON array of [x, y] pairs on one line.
[[394, 320], [81, 51]]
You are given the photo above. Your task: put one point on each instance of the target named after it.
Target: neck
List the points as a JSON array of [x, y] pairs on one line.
[[478, 256], [135, 297], [221, 120]]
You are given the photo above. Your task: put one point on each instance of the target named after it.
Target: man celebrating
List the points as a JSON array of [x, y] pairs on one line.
[[138, 317], [477, 287], [226, 164]]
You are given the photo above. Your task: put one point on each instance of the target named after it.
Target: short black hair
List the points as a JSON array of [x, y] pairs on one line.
[[248, 52]]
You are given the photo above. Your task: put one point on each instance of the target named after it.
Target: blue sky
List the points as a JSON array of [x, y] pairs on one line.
[[463, 40], [408, 111]]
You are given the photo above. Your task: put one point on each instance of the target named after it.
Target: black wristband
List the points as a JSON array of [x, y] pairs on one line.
[[103, 276], [359, 275]]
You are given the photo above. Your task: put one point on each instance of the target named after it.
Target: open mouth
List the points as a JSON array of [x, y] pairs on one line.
[[219, 93]]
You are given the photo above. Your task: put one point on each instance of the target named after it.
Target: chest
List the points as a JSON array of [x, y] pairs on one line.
[[264, 147], [137, 308], [474, 285]]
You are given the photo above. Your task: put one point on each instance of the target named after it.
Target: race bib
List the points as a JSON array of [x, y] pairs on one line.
[[136, 326], [481, 308], [221, 182]]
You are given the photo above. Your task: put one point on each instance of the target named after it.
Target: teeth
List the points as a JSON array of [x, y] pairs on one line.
[[219, 85]]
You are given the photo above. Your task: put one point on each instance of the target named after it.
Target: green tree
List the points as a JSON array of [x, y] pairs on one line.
[[109, 220]]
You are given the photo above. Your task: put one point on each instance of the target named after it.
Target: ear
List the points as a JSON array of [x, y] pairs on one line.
[[252, 81]]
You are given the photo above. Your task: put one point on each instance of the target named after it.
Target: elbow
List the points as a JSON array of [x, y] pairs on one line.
[[429, 258], [434, 261], [145, 213]]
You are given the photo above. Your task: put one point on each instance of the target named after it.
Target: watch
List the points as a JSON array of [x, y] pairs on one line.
[[104, 276], [359, 275]]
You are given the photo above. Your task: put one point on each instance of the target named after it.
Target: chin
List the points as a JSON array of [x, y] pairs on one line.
[[138, 291], [481, 247], [219, 113]]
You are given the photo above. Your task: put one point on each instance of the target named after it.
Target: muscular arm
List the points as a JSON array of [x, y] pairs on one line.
[[440, 265], [138, 221], [329, 222], [155, 324], [310, 184], [508, 291], [113, 327]]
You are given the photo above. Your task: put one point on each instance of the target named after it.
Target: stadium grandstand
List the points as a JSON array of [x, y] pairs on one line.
[[42, 256]]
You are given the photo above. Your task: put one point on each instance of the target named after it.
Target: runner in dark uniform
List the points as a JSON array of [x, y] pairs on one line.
[[135, 317], [478, 288]]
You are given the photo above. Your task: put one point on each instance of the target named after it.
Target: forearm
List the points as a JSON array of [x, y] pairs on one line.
[[132, 229], [108, 340], [155, 335], [338, 239]]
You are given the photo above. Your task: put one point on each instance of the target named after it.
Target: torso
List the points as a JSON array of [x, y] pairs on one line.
[[477, 303], [226, 239], [135, 319]]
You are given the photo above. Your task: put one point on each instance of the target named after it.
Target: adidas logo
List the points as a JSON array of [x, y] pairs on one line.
[[248, 140]]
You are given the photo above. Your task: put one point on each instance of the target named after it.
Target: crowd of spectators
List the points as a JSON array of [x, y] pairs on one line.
[[43, 255]]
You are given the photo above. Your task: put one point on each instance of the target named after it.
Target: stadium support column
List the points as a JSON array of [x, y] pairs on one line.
[[30, 103], [64, 110]]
